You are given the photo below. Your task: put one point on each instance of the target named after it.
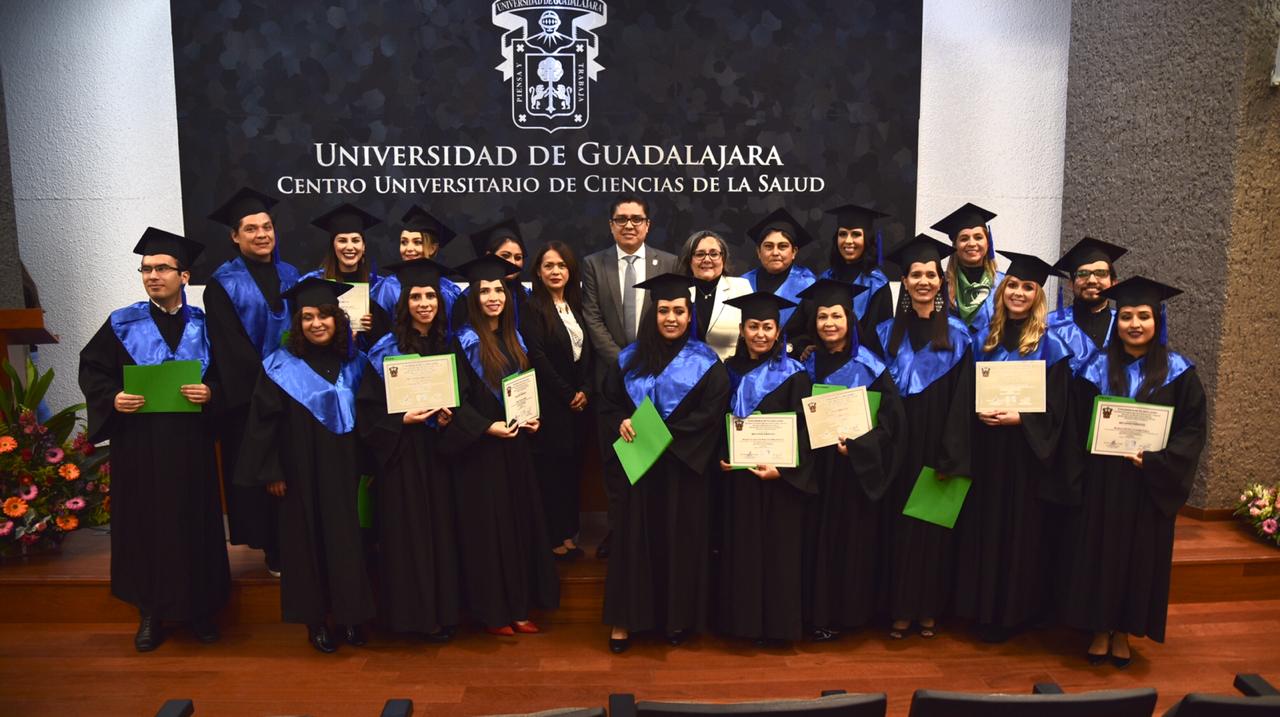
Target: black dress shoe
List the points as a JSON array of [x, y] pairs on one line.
[[318, 636], [1095, 660], [273, 563], [678, 637], [619, 645], [150, 634], [824, 634], [1121, 662], [354, 635], [205, 629], [602, 550]]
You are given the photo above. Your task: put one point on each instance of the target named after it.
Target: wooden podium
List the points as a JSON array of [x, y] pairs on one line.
[[22, 326]]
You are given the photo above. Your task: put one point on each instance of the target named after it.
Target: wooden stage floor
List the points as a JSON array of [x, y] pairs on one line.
[[66, 647]]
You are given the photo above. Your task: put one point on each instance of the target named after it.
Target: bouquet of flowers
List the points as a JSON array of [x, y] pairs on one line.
[[50, 482], [1260, 508]]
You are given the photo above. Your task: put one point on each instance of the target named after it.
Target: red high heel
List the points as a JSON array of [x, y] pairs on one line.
[[527, 627], [504, 631]]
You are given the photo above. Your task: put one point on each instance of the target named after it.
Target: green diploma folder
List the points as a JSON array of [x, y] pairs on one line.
[[364, 502], [873, 398], [652, 438], [161, 384], [937, 501]]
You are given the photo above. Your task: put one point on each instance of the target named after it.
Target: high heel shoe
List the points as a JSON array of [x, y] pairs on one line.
[[619, 645], [526, 627], [504, 631]]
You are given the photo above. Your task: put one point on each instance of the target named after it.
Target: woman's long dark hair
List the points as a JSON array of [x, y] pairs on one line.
[[298, 344], [330, 262], [540, 300], [653, 352], [864, 263], [491, 347], [939, 337], [1156, 362], [407, 337]]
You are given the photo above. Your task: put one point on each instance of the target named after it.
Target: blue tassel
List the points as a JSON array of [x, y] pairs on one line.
[[1060, 306], [1164, 326], [879, 249], [991, 244]]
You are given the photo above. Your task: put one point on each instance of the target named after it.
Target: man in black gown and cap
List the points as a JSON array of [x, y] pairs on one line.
[[1090, 265]]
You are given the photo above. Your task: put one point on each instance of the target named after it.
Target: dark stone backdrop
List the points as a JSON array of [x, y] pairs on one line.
[[835, 85]]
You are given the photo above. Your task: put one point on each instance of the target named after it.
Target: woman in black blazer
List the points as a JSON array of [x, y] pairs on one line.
[[555, 335]]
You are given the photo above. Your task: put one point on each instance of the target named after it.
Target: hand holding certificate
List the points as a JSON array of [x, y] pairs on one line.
[[356, 303], [415, 383], [838, 414], [763, 439], [520, 398], [1123, 427], [1004, 386], [161, 386]]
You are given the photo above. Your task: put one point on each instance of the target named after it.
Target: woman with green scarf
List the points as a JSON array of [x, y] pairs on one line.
[[971, 274]]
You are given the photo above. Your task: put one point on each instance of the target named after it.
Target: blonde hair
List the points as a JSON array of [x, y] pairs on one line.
[[1032, 331]]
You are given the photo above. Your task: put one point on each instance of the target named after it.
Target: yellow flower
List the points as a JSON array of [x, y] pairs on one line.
[[69, 471], [15, 507], [7, 443], [68, 523]]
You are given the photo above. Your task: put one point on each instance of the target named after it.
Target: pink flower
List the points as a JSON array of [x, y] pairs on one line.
[[103, 488], [29, 493], [6, 529], [90, 486], [53, 455], [1243, 497], [76, 503], [30, 538], [1254, 511], [1269, 526]]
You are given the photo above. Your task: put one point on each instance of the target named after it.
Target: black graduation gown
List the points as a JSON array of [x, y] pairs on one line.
[[846, 549], [1000, 579], [507, 568], [759, 588], [322, 561], [1121, 539], [413, 490], [659, 574], [168, 549]]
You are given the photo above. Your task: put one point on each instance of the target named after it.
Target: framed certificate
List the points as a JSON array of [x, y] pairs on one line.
[[356, 303], [839, 413], [1124, 427], [418, 383], [520, 397], [763, 439], [1009, 386]]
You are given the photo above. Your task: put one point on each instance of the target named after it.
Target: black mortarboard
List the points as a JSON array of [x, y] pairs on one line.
[[482, 239], [418, 219], [314, 291], [488, 267], [1140, 291], [966, 217], [667, 287], [854, 216], [780, 220], [1028, 267], [158, 241], [829, 292], [920, 248], [1087, 251], [345, 219], [418, 272], [761, 305], [244, 202]]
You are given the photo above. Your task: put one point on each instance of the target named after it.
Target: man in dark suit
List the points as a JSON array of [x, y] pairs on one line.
[[612, 306]]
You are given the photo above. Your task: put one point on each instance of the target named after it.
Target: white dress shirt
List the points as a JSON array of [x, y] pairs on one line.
[[640, 276]]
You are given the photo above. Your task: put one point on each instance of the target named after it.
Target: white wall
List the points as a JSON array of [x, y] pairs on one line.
[[93, 136]]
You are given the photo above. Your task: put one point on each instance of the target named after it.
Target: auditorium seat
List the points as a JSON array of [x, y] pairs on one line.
[[1047, 701], [830, 704], [1259, 698], [560, 712]]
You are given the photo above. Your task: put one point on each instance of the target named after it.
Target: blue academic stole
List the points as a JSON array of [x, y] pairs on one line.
[[1051, 350], [470, 342], [862, 369], [798, 279], [1082, 347], [141, 337], [751, 388], [669, 387], [264, 326], [332, 404], [380, 350], [872, 281], [914, 371], [1095, 372]]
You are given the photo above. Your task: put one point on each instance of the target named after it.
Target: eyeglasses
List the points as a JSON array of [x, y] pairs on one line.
[[157, 269], [623, 221], [712, 255], [1086, 273]]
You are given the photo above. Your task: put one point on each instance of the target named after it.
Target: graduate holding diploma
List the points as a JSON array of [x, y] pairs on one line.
[[346, 260], [759, 586], [658, 571], [168, 552], [507, 568], [842, 547], [418, 547], [928, 355], [1117, 580]]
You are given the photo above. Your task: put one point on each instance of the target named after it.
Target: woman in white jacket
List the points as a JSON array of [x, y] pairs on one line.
[[704, 257]]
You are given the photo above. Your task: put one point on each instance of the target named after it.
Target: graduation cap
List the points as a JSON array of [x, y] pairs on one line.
[[667, 287], [920, 248], [854, 216], [966, 217], [761, 305], [418, 272], [780, 220], [418, 219], [1027, 267], [1087, 251], [345, 219], [158, 241], [1140, 291], [244, 202], [488, 267], [494, 235], [314, 291], [829, 292]]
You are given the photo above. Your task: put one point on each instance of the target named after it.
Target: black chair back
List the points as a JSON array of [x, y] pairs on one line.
[[1107, 703]]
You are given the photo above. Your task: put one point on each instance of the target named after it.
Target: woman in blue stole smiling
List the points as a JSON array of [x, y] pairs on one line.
[[658, 571], [300, 446], [762, 508], [928, 355], [1000, 578], [842, 550], [507, 566], [972, 275], [1117, 580], [346, 259], [855, 259]]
